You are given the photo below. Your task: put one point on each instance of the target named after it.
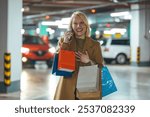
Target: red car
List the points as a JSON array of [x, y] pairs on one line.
[[34, 50]]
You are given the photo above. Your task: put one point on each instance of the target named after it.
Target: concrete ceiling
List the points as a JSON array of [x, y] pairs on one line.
[[36, 9]]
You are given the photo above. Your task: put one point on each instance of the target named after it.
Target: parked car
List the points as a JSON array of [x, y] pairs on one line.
[[35, 50], [116, 49]]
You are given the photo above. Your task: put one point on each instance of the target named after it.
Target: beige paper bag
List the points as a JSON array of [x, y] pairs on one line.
[[89, 82]]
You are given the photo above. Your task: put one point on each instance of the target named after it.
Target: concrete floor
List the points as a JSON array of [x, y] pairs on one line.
[[133, 83]]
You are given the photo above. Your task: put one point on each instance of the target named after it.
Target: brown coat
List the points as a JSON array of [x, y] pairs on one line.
[[66, 87]]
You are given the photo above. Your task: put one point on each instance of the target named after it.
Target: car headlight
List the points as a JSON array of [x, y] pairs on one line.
[[25, 50], [52, 50]]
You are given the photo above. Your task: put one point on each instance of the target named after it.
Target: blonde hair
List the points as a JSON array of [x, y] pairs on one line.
[[85, 20]]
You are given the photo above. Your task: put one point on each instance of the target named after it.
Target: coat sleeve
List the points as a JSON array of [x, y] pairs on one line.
[[98, 54]]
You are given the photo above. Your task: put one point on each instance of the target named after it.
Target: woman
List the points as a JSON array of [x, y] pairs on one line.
[[87, 51]]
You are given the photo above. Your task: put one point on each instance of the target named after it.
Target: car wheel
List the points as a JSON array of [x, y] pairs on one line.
[[121, 59], [49, 63]]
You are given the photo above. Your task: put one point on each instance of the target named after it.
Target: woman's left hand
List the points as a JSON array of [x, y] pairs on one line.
[[82, 57]]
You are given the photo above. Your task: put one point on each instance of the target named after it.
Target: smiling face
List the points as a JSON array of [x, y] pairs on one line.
[[78, 26]]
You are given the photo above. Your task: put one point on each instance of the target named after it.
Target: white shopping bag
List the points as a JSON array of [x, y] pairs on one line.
[[88, 79]]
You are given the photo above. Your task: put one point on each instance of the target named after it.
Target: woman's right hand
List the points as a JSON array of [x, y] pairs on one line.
[[67, 37]]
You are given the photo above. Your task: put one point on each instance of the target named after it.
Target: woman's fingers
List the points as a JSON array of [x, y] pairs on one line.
[[82, 57], [80, 53], [78, 56]]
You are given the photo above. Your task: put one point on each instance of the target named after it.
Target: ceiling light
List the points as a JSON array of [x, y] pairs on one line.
[[65, 20], [93, 10], [119, 14], [47, 17], [63, 26], [63, 23], [127, 17], [115, 1], [49, 23]]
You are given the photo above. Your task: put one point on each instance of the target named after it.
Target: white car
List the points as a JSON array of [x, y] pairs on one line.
[[116, 49]]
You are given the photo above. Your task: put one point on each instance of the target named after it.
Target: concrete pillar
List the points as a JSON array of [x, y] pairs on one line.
[[11, 41], [140, 35]]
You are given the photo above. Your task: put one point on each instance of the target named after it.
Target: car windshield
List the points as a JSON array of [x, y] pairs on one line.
[[32, 40]]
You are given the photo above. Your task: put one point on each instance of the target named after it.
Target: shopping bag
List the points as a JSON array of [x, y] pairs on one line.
[[108, 85], [87, 79], [57, 72], [88, 83], [66, 60]]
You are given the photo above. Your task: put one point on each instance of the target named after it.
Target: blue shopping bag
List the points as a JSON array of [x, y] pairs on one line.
[[108, 85], [57, 72]]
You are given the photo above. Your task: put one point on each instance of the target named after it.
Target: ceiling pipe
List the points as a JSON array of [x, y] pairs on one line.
[[72, 10]]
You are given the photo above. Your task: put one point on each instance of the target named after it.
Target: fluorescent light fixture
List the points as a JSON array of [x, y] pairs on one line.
[[52, 23], [119, 14], [115, 1], [127, 17], [58, 22], [49, 23], [65, 20], [63, 26]]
